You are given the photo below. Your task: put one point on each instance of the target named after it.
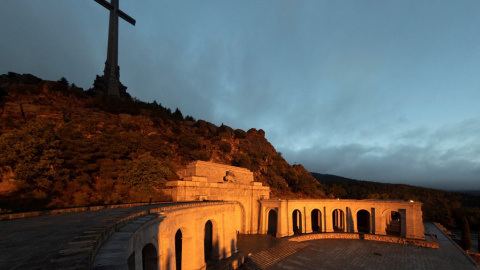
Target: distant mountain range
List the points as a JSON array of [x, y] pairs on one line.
[[331, 179], [446, 207], [471, 192]]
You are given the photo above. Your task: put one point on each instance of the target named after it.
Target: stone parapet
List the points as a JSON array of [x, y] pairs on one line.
[[81, 251], [247, 195], [70, 210], [370, 237], [215, 172], [211, 181]]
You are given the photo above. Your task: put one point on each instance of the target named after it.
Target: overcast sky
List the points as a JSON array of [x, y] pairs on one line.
[[381, 90]]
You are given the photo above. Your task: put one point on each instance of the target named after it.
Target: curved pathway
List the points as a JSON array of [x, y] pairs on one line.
[[31, 243]]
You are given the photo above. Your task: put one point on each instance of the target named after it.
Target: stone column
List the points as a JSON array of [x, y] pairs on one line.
[[217, 241], [373, 222], [230, 242], [351, 221], [418, 221], [263, 220], [381, 221], [282, 224], [138, 258], [328, 220], [308, 220], [192, 252], [403, 222], [166, 254]]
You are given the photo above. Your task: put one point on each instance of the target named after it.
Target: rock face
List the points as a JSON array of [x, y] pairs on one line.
[[11, 109], [30, 97], [7, 183]]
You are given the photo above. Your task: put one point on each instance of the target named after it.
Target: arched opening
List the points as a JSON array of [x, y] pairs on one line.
[[149, 257], [338, 217], [316, 220], [131, 261], [178, 250], [208, 240], [297, 222], [363, 221], [393, 219], [272, 222]]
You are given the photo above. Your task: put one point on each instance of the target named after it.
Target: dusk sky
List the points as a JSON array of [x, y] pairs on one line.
[[385, 91]]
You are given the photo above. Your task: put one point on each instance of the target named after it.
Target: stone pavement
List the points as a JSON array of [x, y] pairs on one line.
[[362, 254], [31, 243]]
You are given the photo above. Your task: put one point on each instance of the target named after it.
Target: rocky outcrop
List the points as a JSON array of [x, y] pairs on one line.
[[11, 109]]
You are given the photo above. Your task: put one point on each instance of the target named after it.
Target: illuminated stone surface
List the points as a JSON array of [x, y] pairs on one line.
[[225, 201]]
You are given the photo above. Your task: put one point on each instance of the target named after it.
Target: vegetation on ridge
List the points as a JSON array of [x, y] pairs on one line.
[[62, 146], [65, 147]]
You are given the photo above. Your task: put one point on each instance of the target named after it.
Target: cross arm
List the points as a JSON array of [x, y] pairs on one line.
[[104, 3], [120, 13], [127, 18]]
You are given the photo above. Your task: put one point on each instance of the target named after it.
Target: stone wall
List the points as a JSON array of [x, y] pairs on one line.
[[370, 237], [69, 210], [191, 222], [378, 212], [203, 181], [215, 173]]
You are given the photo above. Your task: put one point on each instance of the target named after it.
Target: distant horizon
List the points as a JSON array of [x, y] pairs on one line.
[[467, 191], [385, 91]]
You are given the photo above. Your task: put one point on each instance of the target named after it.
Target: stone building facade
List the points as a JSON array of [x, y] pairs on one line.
[[288, 217], [231, 202], [202, 180]]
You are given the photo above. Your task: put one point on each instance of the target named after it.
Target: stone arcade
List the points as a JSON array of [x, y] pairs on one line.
[[231, 202]]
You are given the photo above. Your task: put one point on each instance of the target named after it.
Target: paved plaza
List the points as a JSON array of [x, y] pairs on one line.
[[31, 243], [360, 254]]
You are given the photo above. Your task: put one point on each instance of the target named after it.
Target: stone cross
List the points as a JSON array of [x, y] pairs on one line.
[[110, 82]]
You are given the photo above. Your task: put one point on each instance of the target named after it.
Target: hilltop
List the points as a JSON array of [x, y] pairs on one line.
[[62, 146]]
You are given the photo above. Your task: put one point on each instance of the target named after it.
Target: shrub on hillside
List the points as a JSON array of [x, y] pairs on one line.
[[199, 155], [242, 160], [466, 242], [225, 147], [34, 155], [240, 134]]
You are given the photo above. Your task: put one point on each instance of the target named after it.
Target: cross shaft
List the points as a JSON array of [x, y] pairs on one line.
[[111, 74]]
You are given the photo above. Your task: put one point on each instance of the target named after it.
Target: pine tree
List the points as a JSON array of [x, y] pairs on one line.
[[466, 241], [64, 81], [177, 115]]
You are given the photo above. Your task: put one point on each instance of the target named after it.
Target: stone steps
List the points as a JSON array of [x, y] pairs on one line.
[[112, 254], [266, 258]]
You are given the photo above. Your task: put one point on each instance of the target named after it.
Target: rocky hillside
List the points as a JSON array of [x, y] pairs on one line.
[[62, 146]]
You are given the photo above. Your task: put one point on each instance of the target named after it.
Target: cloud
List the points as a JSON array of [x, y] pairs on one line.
[[378, 92], [446, 158]]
